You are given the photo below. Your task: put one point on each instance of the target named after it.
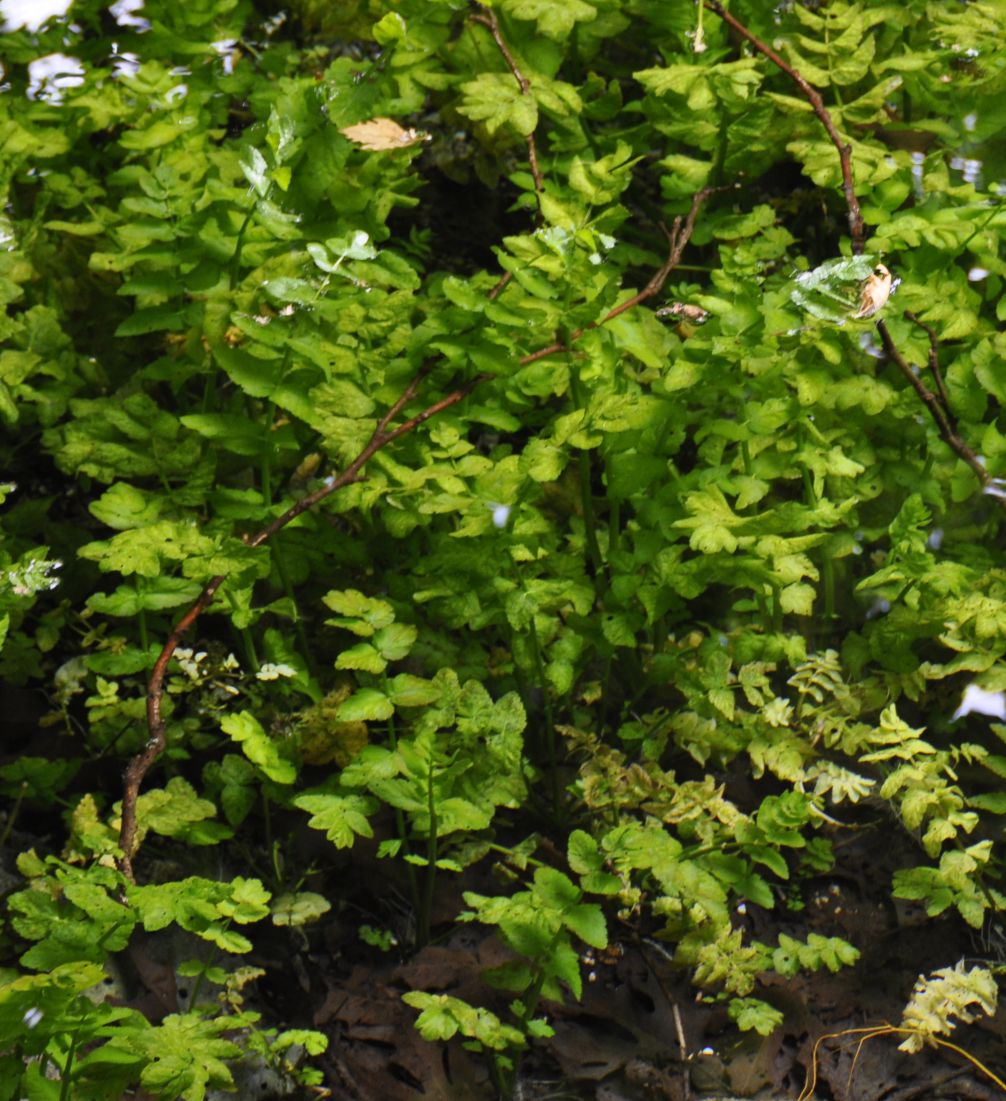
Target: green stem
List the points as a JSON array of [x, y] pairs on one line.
[[550, 748], [279, 560], [493, 847], [64, 1089], [266, 821], [144, 631], [431, 859], [533, 995], [400, 831], [586, 497], [198, 984], [828, 584], [12, 815], [251, 654], [614, 525], [238, 245]]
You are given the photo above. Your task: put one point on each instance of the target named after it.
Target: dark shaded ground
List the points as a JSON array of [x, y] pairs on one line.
[[640, 1034]]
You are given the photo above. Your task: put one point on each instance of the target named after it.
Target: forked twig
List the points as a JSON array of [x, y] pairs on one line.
[[383, 434], [940, 414], [677, 239], [934, 359], [813, 97], [381, 437]]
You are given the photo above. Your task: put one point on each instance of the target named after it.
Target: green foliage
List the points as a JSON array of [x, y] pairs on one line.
[[648, 552], [442, 1016]]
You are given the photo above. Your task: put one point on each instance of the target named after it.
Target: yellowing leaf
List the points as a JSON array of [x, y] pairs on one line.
[[380, 134]]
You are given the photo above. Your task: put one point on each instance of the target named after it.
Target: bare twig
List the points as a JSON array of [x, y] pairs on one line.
[[677, 239], [813, 97], [934, 360], [500, 285], [944, 422], [487, 17]]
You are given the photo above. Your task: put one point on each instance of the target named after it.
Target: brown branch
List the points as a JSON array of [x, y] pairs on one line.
[[677, 239], [487, 17], [382, 435], [941, 416], [934, 360], [938, 406], [500, 284], [813, 97], [140, 765]]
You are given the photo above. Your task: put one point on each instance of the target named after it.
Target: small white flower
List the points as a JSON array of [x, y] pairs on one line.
[[273, 671], [501, 513]]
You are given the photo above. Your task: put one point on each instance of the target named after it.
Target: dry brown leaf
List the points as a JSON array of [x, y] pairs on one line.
[[381, 134]]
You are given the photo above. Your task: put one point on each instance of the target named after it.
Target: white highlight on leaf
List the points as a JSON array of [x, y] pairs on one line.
[[226, 49], [31, 14], [501, 513], [49, 75], [980, 701], [124, 13], [918, 160], [969, 167], [33, 577]]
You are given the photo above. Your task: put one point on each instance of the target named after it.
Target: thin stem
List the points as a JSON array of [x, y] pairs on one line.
[[813, 97], [279, 559], [550, 747], [677, 238], [431, 859], [487, 17], [944, 423], [934, 361], [586, 493], [64, 1089], [400, 829], [12, 814]]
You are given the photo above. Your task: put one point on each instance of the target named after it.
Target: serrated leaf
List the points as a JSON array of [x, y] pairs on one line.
[[365, 705]]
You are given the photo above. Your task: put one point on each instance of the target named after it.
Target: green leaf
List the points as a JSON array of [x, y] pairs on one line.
[[362, 656], [752, 1014], [299, 909], [554, 18], [363, 615], [258, 747], [496, 100], [342, 817], [367, 705], [407, 690]]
